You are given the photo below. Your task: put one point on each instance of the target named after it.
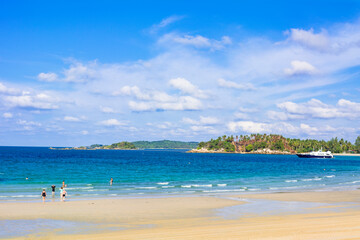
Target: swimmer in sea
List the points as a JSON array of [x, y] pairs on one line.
[[63, 184], [43, 194], [111, 181]]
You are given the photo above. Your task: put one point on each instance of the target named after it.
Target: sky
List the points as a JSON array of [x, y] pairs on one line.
[[75, 73]]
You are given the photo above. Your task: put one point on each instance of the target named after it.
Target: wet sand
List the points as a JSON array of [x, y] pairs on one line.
[[336, 215]]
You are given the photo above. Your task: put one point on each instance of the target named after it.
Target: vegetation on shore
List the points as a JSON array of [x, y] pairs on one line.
[[165, 144], [258, 142]]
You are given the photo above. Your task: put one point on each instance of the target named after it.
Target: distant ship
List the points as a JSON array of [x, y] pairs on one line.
[[318, 154]]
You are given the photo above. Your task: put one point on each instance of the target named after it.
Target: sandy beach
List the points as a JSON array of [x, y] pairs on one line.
[[307, 215]]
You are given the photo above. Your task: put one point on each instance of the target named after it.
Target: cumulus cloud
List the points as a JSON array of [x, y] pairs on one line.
[[300, 68], [186, 87], [28, 125], [317, 109], [202, 121], [276, 128], [47, 77], [71, 119], [112, 123], [283, 116], [308, 38], [230, 84], [38, 101], [107, 110], [179, 104], [206, 129], [7, 115]]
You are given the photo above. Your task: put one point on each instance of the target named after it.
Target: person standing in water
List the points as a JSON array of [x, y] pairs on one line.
[[63, 184], [53, 190], [64, 194], [111, 181], [61, 193], [43, 194]]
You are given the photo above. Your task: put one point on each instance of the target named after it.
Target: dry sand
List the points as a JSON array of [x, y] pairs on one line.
[[194, 218]]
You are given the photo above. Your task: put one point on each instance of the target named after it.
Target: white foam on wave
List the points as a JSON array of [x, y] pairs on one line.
[[224, 190], [291, 180], [168, 186], [97, 190], [25, 196], [330, 176], [163, 183], [186, 186], [201, 185], [146, 187], [222, 185], [254, 189], [78, 188], [311, 179], [89, 184]]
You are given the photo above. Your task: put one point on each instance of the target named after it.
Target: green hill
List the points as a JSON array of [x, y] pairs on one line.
[[165, 144]]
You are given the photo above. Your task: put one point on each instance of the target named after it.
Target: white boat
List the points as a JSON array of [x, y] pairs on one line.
[[318, 154]]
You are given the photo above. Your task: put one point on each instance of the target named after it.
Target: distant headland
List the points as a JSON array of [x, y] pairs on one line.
[[164, 144]]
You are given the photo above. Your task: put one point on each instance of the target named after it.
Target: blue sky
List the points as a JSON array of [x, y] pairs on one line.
[[84, 72]]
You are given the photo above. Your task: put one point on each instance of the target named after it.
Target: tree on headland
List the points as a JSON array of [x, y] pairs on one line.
[[357, 144]]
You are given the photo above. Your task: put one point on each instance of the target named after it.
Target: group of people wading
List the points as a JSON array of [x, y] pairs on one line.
[[62, 192]]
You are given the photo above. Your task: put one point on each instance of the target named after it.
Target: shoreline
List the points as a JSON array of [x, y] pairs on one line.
[[311, 215]]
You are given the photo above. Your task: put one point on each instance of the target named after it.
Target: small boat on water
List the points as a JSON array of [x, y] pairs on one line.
[[318, 154]]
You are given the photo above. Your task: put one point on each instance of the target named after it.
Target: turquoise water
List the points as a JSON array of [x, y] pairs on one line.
[[165, 172]]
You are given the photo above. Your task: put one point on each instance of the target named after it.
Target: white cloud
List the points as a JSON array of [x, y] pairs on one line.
[[206, 129], [112, 123], [319, 41], [6, 90], [283, 116], [71, 119], [147, 95], [165, 22], [240, 115], [202, 121], [197, 41], [230, 84], [84, 132], [107, 110], [181, 103], [7, 115], [80, 73], [187, 87], [47, 77], [28, 125], [32, 102], [260, 127], [317, 109], [300, 68]]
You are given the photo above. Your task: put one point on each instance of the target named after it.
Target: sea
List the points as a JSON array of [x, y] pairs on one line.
[[25, 171]]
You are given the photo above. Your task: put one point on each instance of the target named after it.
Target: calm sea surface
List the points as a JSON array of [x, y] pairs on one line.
[[165, 172]]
